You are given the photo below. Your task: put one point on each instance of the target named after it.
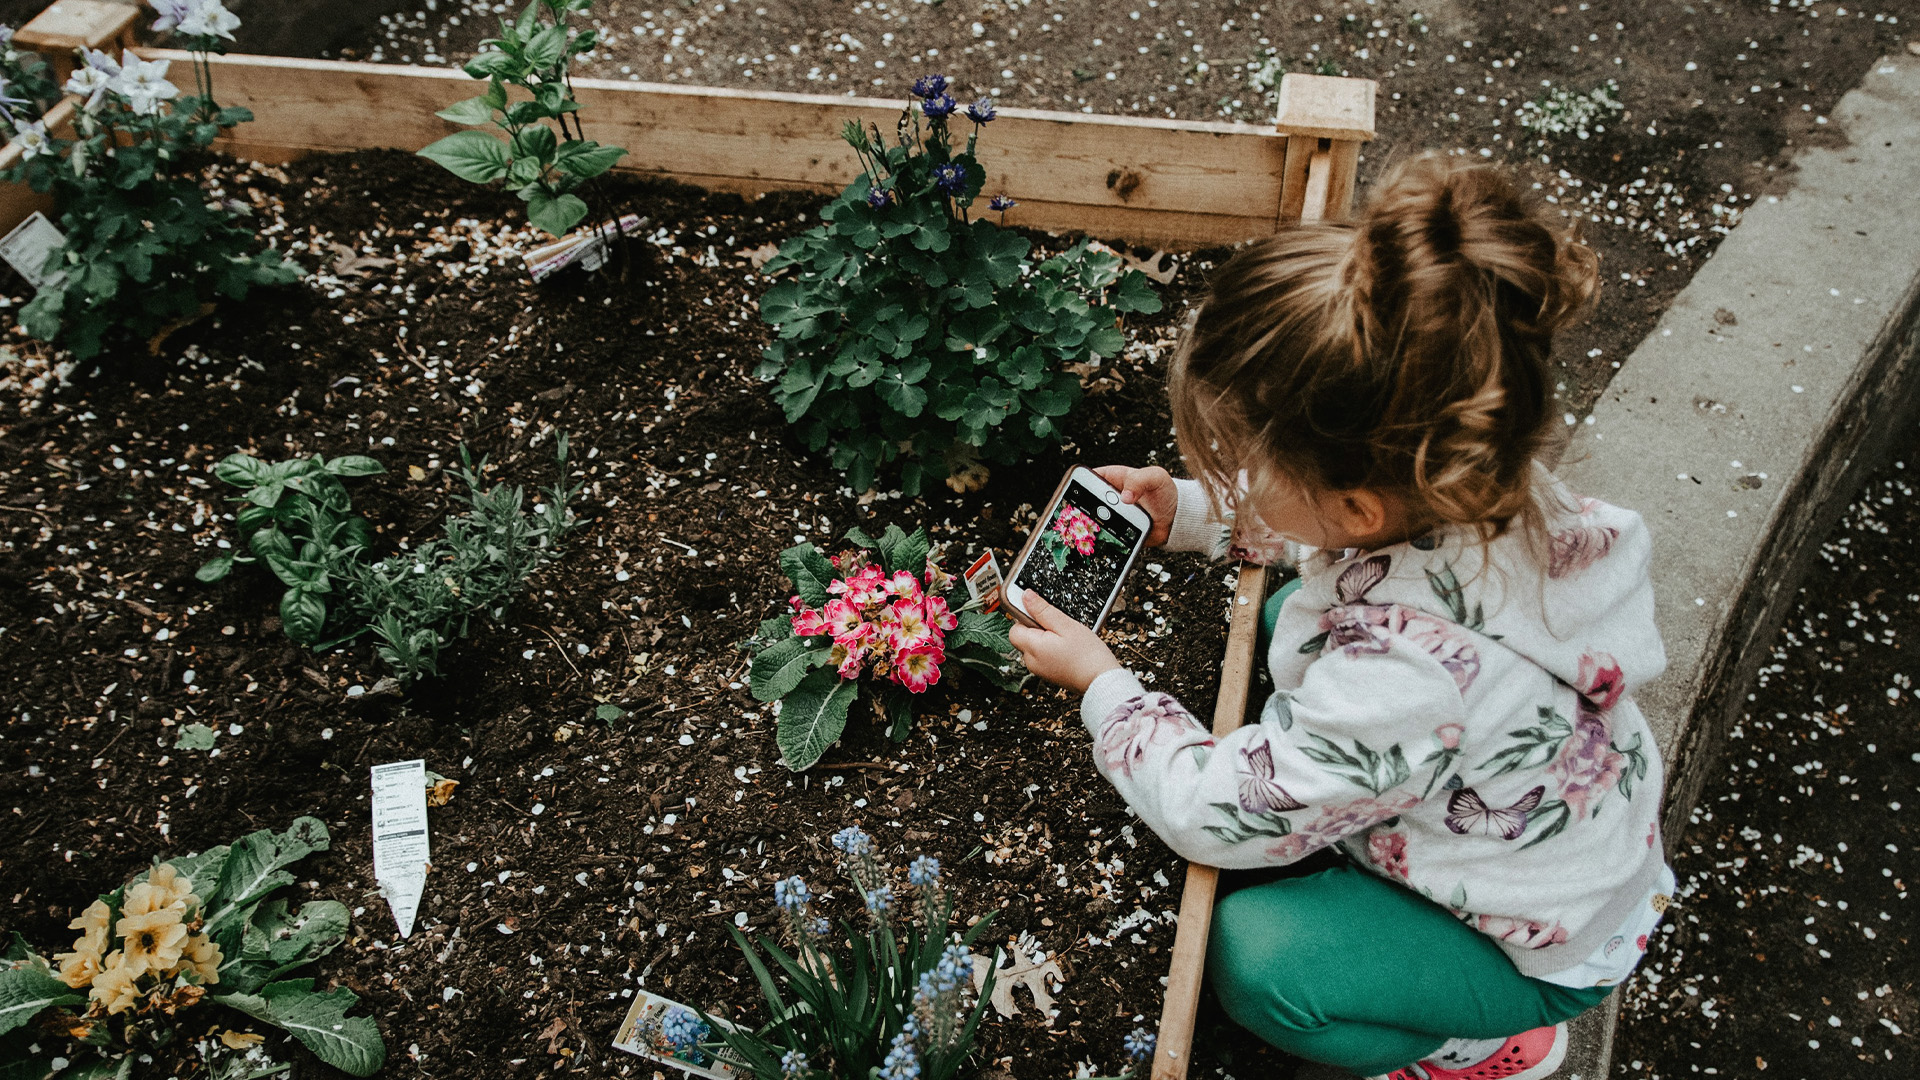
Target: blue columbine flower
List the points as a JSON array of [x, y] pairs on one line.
[[1139, 1044], [924, 872], [939, 107], [880, 900], [793, 1064], [950, 178], [982, 111], [927, 86], [681, 1029], [1001, 203], [878, 198], [853, 841], [791, 894]]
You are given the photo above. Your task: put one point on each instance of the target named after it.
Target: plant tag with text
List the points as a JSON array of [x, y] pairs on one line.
[[639, 1034], [26, 248], [400, 837], [983, 580]]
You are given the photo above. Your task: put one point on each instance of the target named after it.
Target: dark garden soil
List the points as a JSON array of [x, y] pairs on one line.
[[1792, 953], [579, 859]]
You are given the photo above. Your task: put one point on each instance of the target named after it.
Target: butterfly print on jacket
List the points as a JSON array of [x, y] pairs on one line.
[[1259, 793], [1467, 811]]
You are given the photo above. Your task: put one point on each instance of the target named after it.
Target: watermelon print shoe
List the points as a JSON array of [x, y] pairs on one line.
[[1530, 1055]]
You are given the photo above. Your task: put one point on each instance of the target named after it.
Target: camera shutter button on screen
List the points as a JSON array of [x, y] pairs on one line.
[[1112, 497]]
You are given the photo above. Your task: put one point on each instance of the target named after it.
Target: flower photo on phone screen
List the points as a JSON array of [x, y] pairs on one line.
[[1080, 556]]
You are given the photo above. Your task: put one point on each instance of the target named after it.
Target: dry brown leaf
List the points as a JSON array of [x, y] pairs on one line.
[[968, 478], [415, 472], [1161, 266], [240, 1040], [1033, 974], [440, 791], [350, 263], [759, 256]]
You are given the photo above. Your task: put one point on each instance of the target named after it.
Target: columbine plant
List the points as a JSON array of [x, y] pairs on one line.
[[916, 332], [146, 249], [188, 932], [27, 88], [894, 1002], [885, 625], [545, 165]]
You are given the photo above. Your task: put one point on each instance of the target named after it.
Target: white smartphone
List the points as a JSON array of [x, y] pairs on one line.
[[1080, 554]]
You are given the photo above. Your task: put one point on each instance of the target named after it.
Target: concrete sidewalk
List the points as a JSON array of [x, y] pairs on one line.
[[1748, 419]]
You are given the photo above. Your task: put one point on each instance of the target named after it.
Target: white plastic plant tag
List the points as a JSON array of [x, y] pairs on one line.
[[400, 837], [588, 247], [983, 580], [26, 248], [640, 1035]]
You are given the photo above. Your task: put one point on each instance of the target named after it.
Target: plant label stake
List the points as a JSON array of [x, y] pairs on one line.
[[1325, 120], [26, 248], [400, 837], [588, 247]]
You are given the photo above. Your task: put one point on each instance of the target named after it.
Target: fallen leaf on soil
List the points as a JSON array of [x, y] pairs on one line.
[[553, 1033], [1161, 266], [350, 263], [1031, 973], [969, 478], [759, 256], [415, 472], [440, 789], [240, 1040]]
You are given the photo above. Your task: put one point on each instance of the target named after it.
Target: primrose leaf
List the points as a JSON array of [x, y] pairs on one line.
[[813, 716], [780, 667], [26, 991], [319, 1020], [470, 155], [810, 572], [255, 867]]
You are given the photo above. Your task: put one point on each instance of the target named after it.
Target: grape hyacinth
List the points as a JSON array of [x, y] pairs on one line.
[[880, 900], [927, 86], [903, 1060], [1139, 1044], [854, 841], [939, 107], [982, 111], [924, 872], [793, 1065], [681, 1030], [791, 894], [951, 179]]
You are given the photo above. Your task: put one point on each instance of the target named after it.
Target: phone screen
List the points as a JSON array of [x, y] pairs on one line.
[[1080, 555]]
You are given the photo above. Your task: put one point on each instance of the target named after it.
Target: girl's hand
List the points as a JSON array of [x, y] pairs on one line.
[[1064, 652], [1152, 488]]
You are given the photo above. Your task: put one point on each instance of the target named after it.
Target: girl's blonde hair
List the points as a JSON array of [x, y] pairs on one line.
[[1403, 352]]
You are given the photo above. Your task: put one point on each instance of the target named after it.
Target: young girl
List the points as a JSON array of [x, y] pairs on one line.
[[1453, 665]]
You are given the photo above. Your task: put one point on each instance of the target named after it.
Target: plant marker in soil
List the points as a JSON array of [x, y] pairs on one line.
[[400, 837]]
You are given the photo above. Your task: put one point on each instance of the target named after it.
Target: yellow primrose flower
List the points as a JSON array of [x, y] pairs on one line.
[[154, 940], [203, 956], [171, 888], [92, 924], [114, 988], [78, 968]]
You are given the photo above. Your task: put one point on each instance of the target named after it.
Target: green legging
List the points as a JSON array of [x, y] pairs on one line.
[[1345, 968]]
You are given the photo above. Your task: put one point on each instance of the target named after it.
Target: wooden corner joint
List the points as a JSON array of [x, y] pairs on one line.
[[78, 24], [1326, 107]]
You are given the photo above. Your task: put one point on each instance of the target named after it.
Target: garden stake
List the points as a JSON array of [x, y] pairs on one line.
[[1325, 120]]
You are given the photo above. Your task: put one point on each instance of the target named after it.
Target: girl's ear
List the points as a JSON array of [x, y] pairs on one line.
[[1362, 512]]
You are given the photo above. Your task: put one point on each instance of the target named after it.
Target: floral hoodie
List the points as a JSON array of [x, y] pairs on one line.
[[1456, 717]]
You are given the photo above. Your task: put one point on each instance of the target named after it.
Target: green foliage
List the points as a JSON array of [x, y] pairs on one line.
[[911, 332], [843, 1002], [297, 518], [27, 86], [905, 638], [544, 164], [146, 248], [260, 942]]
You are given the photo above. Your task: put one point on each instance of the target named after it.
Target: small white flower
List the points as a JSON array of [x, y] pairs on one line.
[[32, 140], [92, 84], [209, 18], [144, 79]]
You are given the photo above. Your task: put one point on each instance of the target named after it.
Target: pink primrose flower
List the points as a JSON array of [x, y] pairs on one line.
[[904, 584], [910, 628], [808, 622], [844, 619], [848, 656], [918, 668], [938, 615]]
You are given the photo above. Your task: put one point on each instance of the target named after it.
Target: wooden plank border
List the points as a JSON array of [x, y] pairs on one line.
[[1172, 184]]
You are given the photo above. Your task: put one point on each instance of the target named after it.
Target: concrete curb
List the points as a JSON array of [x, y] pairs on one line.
[[1748, 419]]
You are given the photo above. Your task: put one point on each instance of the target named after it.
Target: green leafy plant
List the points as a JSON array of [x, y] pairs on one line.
[[546, 157], [893, 1001], [886, 626], [27, 86], [191, 931], [146, 248], [297, 518], [912, 331]]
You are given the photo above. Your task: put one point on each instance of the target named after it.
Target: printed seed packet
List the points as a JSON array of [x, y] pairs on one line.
[[983, 580], [647, 1029]]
